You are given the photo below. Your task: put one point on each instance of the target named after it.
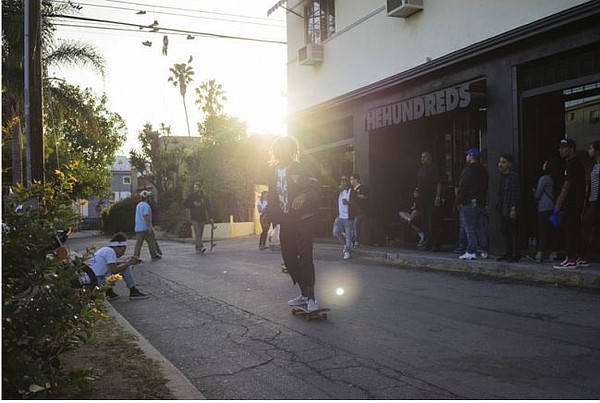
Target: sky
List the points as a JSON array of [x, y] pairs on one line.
[[252, 73]]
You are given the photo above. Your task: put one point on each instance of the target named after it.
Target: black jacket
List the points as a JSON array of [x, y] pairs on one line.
[[300, 181], [473, 184], [199, 212]]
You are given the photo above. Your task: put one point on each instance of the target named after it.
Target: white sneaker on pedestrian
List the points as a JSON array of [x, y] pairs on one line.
[[468, 256], [299, 300], [312, 305], [346, 255]]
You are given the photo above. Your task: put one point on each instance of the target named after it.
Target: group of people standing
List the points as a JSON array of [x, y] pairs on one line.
[[573, 200], [567, 194], [351, 206]]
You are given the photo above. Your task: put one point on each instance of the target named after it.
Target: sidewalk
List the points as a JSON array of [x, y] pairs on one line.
[[525, 270]]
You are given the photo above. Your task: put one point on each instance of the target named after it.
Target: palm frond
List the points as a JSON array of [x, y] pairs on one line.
[[76, 54]]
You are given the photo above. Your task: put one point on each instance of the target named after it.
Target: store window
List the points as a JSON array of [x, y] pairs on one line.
[[319, 20], [595, 116]]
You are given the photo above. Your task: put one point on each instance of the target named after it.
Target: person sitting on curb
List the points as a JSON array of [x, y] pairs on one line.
[[104, 263], [414, 218]]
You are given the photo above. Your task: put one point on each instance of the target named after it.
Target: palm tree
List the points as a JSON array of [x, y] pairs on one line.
[[211, 97], [181, 75], [53, 53]]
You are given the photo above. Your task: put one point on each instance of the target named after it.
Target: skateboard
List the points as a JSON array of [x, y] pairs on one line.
[[318, 314], [213, 227]]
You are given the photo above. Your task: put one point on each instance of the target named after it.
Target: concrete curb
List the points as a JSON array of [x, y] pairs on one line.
[[181, 387], [524, 271]]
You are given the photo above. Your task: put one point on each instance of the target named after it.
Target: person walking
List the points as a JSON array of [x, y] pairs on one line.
[[361, 204], [508, 207], [265, 224], [199, 212], [144, 229], [293, 200], [104, 263], [428, 196], [591, 213], [571, 201], [343, 225], [470, 199]]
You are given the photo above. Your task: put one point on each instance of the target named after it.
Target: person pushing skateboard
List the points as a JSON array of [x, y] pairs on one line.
[[293, 198], [199, 212]]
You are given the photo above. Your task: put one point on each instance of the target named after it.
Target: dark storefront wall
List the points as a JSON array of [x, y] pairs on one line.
[[395, 158], [508, 122]]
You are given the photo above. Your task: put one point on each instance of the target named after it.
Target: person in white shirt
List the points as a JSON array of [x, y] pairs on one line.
[[343, 226], [591, 213], [105, 262], [261, 206]]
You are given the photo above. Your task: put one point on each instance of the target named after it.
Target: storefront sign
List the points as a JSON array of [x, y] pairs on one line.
[[438, 102]]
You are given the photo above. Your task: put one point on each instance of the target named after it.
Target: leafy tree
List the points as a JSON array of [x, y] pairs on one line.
[[83, 138], [181, 76], [54, 53], [211, 98], [159, 161]]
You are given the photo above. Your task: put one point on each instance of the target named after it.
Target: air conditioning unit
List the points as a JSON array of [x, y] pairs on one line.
[[403, 8], [310, 54]]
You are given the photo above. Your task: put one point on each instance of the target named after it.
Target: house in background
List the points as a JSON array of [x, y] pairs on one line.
[[373, 83], [123, 184]]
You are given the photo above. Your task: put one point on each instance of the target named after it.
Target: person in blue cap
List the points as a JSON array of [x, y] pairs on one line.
[[470, 199]]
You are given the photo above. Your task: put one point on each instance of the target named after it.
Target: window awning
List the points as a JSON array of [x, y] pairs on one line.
[[280, 3]]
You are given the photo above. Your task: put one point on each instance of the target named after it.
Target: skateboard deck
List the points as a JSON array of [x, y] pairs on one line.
[[213, 227], [318, 314]]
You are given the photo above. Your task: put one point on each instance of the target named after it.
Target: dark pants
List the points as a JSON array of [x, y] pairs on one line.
[[573, 233], [510, 231], [546, 233], [296, 238], [265, 225], [590, 222], [432, 224]]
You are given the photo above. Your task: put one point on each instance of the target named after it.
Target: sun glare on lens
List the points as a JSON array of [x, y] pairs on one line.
[[339, 291]]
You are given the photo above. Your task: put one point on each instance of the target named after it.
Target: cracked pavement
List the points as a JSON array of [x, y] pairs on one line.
[[394, 334]]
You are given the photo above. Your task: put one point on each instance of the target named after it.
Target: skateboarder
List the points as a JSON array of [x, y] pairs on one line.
[[199, 206], [292, 203]]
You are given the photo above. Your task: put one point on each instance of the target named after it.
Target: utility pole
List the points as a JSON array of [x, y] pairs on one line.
[[33, 90]]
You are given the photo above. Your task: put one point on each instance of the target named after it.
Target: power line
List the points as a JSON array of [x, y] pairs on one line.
[[187, 9], [169, 30], [193, 16]]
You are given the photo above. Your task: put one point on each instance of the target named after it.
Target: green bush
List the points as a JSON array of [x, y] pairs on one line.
[[120, 217], [42, 314], [175, 221]]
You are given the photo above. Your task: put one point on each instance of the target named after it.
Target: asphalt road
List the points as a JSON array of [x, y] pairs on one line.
[[394, 333]]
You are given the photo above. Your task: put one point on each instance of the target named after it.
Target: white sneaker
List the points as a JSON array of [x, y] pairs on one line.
[[484, 255], [312, 305], [468, 256], [346, 255], [299, 300]]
